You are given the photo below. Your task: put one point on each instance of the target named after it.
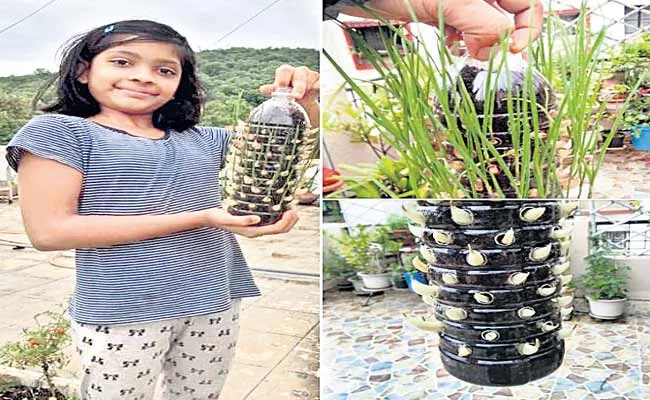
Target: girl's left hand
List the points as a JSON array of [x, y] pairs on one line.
[[284, 225], [305, 85]]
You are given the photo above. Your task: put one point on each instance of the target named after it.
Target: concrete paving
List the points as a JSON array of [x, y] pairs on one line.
[[278, 350]]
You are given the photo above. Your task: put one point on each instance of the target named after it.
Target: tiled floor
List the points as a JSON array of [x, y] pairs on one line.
[[369, 353]]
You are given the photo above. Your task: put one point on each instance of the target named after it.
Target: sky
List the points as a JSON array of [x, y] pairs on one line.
[[35, 42]]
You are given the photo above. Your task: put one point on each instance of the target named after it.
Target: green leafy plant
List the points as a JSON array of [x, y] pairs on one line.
[[41, 347], [355, 248], [335, 266], [411, 74], [604, 278], [396, 222]]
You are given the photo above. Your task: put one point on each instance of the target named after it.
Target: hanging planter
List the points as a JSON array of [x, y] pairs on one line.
[[499, 284], [268, 159]]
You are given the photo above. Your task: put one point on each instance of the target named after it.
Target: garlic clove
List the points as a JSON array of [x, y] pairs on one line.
[[464, 351], [566, 332], [484, 297], [428, 254], [456, 314], [565, 312], [422, 289], [565, 279], [248, 180], [266, 199], [526, 349], [546, 290], [561, 268], [412, 213], [449, 278], [531, 214], [421, 323], [276, 207], [540, 253], [547, 326], [288, 198], [460, 216], [490, 336], [284, 173], [256, 190], [518, 278], [417, 231], [419, 265], [475, 258], [565, 245], [429, 300], [442, 238], [567, 208], [560, 233], [252, 206], [505, 238], [526, 312]]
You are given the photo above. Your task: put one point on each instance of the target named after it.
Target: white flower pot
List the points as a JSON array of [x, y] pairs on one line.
[[606, 309], [376, 281]]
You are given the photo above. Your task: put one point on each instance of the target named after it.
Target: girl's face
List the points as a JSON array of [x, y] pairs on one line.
[[134, 78]]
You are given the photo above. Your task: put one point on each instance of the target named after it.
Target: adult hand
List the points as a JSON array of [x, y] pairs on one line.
[[481, 23], [305, 87], [241, 225]]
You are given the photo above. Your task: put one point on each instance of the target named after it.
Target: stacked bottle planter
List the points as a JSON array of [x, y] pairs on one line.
[[500, 128], [268, 159], [495, 269]]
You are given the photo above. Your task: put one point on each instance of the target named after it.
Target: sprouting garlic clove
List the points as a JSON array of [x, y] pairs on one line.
[[421, 323], [547, 326], [561, 268], [276, 207], [567, 208], [284, 173], [442, 238], [429, 300], [565, 245], [540, 253], [248, 180], [412, 213], [417, 231], [526, 312], [560, 233], [565, 279], [460, 216], [456, 314], [449, 278], [464, 351], [531, 214], [266, 199], [252, 206], [566, 312], [490, 335], [484, 297], [475, 258], [256, 190], [288, 198], [419, 265], [428, 254], [518, 278], [527, 349], [256, 145], [505, 238], [566, 331], [422, 289], [546, 290]]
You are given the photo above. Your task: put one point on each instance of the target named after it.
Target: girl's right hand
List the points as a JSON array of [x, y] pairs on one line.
[[241, 225]]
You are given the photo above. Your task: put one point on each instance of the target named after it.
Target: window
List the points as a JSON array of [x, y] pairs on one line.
[[632, 238], [376, 36], [636, 19], [332, 211]]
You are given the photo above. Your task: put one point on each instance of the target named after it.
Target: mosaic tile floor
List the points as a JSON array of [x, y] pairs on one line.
[[368, 353], [623, 174]]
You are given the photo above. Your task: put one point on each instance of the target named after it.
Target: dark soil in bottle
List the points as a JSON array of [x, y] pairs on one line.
[[25, 393]]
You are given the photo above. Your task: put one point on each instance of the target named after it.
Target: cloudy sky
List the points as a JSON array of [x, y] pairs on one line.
[[34, 43]]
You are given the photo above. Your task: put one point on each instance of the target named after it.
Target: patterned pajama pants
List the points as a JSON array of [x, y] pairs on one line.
[[124, 362]]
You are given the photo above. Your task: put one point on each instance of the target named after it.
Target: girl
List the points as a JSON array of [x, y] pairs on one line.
[[119, 171]]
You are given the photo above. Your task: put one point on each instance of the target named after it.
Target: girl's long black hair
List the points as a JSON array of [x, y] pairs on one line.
[[74, 98]]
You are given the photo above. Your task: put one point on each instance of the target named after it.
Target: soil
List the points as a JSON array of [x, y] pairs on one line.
[[24, 393]]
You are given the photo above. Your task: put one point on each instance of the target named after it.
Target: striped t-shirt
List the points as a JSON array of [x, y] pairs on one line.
[[188, 273]]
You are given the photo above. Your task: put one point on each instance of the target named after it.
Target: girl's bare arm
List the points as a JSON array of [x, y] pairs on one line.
[[49, 196]]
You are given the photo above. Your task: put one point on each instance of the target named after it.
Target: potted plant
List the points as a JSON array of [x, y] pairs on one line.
[[605, 282], [399, 282], [397, 225], [411, 273], [365, 251], [637, 119], [337, 269]]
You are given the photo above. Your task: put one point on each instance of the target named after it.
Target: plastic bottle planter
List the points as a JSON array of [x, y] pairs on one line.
[[500, 127], [498, 279], [268, 159]]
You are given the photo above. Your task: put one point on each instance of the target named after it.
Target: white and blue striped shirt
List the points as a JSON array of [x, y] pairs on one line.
[[184, 274]]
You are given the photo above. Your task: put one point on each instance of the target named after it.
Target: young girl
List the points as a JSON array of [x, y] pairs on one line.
[[119, 171]]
